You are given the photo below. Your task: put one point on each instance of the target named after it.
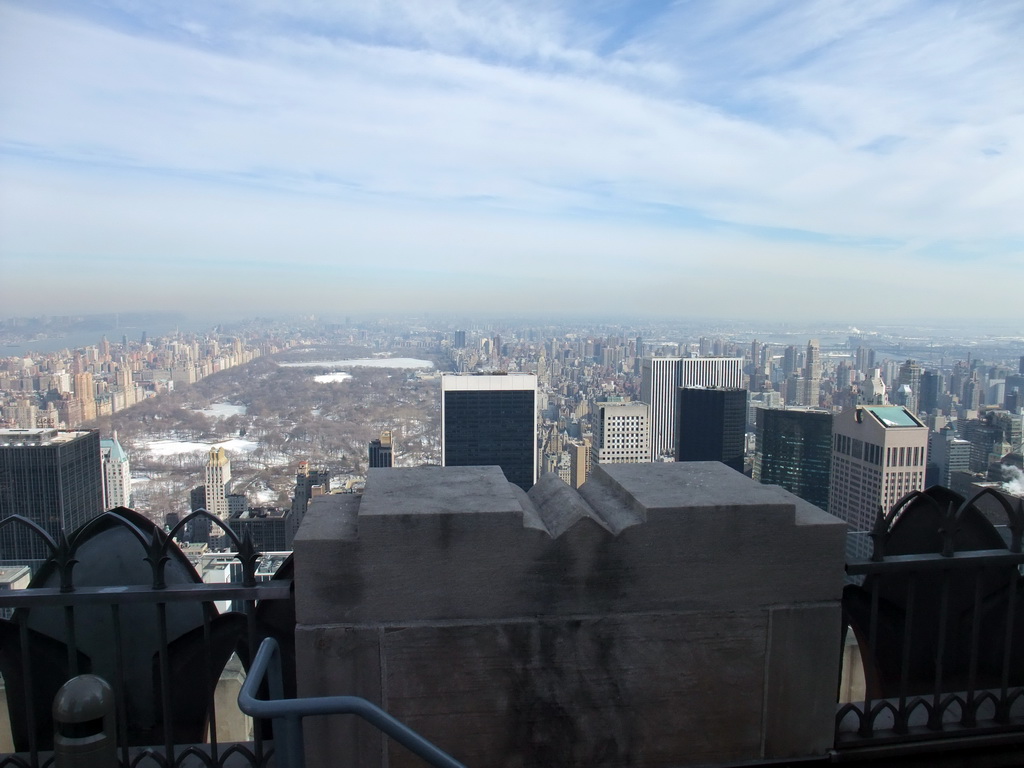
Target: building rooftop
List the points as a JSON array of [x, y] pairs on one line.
[[893, 415], [39, 436]]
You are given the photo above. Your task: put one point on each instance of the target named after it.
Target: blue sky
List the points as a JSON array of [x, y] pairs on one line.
[[835, 161]]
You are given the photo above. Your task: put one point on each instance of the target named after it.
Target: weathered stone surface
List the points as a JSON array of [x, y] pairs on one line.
[[323, 546], [803, 666], [667, 614], [334, 662], [628, 691], [559, 506], [438, 491]]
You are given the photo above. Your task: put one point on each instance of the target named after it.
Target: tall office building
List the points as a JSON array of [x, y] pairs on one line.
[[712, 425], [218, 475], [947, 454], [381, 450], [879, 453], [724, 372], [931, 387], [794, 450], [491, 419], [309, 483], [622, 434], [659, 388], [51, 477], [909, 388], [660, 379], [579, 462], [864, 360], [86, 392], [810, 395], [117, 475]]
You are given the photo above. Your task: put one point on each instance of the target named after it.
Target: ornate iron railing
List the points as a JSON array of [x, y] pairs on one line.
[[55, 625], [939, 631]]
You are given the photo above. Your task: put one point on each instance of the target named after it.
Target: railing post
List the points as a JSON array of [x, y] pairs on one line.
[[289, 727]]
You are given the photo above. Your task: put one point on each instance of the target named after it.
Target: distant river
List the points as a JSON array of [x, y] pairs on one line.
[[370, 362], [81, 339]]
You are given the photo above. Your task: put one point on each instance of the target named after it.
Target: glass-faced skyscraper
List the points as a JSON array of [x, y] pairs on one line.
[[794, 450], [380, 451], [52, 477], [712, 425], [491, 420], [660, 379]]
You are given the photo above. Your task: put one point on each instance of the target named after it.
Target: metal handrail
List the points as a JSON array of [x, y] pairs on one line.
[[288, 713]]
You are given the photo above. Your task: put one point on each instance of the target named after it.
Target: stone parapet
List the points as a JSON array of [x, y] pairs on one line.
[[664, 614]]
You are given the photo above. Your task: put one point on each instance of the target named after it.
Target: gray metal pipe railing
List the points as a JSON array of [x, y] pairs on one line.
[[287, 714]]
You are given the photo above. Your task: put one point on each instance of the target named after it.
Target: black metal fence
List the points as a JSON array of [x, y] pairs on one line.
[[152, 631], [937, 611], [939, 622]]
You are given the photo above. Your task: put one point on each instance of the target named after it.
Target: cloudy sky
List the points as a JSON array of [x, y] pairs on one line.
[[763, 159]]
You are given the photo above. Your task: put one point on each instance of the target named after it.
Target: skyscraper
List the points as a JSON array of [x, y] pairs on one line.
[[579, 462], [218, 475], [660, 379], [879, 455], [622, 434], [794, 450], [712, 425], [491, 419], [51, 477], [659, 387], [910, 377], [811, 394], [724, 372], [308, 484], [931, 386], [117, 476], [381, 450], [948, 454]]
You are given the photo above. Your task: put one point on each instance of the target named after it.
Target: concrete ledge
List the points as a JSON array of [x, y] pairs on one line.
[[668, 614]]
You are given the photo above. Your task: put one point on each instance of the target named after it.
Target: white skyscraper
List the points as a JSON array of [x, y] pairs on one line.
[[721, 372], [622, 433], [218, 475], [659, 383], [117, 476], [660, 380]]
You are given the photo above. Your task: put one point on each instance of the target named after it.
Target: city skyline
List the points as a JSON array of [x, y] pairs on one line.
[[796, 161]]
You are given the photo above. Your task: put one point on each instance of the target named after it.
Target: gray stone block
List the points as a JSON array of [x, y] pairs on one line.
[[804, 656], [627, 624]]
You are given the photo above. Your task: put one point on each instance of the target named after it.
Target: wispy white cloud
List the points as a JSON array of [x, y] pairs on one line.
[[409, 129]]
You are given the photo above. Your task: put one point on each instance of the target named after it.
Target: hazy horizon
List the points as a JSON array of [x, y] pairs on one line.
[[798, 161]]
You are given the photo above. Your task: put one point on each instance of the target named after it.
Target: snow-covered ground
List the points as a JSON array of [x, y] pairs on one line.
[[223, 410], [264, 497], [332, 378], [382, 362], [174, 447]]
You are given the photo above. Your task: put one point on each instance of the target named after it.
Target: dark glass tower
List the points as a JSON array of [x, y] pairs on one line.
[[381, 451], [794, 450], [711, 425], [51, 477], [931, 386], [491, 420]]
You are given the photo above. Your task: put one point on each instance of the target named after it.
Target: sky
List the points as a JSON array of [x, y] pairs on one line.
[[773, 160]]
